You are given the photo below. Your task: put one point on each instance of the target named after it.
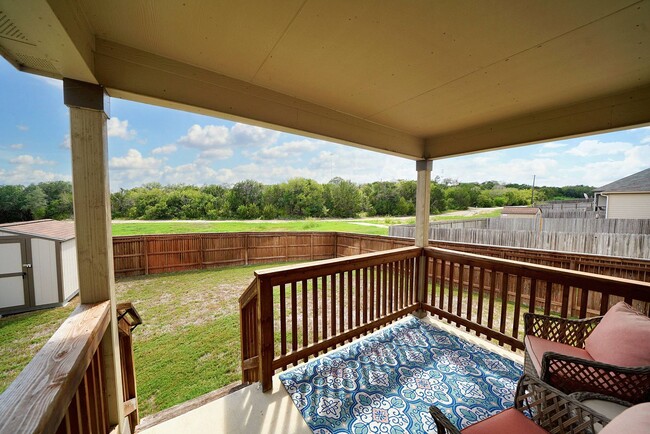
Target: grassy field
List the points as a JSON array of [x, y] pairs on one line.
[[373, 226]]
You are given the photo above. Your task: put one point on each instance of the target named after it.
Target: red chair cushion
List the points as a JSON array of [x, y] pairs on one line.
[[622, 338], [510, 421], [536, 348]]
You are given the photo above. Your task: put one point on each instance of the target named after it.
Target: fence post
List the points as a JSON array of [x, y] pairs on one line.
[[265, 332]]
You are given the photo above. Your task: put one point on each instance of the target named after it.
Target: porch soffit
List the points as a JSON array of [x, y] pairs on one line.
[[416, 79]]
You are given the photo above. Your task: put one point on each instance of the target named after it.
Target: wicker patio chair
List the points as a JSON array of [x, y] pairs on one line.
[[539, 408], [573, 373]]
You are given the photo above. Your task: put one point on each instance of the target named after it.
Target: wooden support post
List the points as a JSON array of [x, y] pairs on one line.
[[265, 332], [92, 211], [422, 202]]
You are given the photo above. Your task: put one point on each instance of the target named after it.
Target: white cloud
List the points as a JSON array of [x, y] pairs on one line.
[[134, 160], [477, 169], [287, 150], [17, 146], [24, 174], [30, 160], [205, 137], [118, 128], [592, 148], [547, 154], [65, 144], [50, 81], [216, 154], [249, 135], [645, 140], [603, 172], [167, 149], [22, 127], [554, 145]]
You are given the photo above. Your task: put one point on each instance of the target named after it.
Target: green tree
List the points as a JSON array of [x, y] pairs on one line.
[[343, 198]]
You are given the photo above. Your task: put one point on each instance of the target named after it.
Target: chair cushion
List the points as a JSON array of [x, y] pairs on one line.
[[634, 420], [622, 338], [509, 421], [536, 348]]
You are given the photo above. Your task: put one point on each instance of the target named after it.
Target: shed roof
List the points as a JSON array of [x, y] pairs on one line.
[[634, 183], [49, 229], [524, 210]]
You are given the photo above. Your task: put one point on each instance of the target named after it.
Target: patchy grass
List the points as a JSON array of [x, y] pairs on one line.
[[23, 335]]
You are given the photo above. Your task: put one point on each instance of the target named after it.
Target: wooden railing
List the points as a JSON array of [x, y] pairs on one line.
[[489, 295], [291, 313], [320, 305], [62, 389]]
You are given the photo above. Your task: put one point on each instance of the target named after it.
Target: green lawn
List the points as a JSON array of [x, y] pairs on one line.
[[171, 227]]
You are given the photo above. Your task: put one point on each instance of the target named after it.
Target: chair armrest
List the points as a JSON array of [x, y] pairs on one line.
[[572, 332], [572, 374], [443, 425], [553, 410]]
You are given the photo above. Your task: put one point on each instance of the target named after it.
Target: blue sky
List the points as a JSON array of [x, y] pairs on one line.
[[153, 144]]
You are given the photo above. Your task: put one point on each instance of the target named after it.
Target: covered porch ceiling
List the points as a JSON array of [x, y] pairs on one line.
[[417, 78]]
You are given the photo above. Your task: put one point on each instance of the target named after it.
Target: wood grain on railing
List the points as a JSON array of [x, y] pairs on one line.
[[61, 389], [349, 297], [248, 330], [512, 287]]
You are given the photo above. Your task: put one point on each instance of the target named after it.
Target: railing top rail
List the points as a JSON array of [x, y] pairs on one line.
[[37, 400], [294, 273], [598, 282], [249, 293]]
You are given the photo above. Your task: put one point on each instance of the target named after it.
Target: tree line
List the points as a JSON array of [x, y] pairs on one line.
[[294, 199]]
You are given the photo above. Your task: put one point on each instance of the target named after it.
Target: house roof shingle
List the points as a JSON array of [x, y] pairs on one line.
[[636, 182], [48, 229]]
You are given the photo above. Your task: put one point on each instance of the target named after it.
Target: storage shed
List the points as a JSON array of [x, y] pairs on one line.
[[38, 265]]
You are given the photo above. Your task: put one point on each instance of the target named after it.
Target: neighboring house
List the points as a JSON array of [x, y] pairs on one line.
[[627, 198], [520, 212]]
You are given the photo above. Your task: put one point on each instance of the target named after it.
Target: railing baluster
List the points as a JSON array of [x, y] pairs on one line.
[[604, 303], [294, 317], [547, 297], [357, 297], [324, 305], [450, 294], [564, 309], [384, 288], [305, 315], [505, 279], [493, 290], [342, 288], [470, 294], [441, 300], [584, 300], [366, 305], [333, 304], [391, 289], [515, 321], [459, 300], [373, 288], [479, 308], [283, 320], [533, 295], [434, 285], [315, 317]]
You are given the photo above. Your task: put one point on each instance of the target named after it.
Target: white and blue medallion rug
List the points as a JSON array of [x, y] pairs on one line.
[[385, 383]]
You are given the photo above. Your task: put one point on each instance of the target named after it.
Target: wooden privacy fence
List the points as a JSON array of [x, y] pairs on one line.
[[151, 254], [62, 389], [292, 313], [632, 245]]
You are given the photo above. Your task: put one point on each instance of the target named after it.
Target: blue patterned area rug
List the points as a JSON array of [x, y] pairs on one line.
[[386, 382]]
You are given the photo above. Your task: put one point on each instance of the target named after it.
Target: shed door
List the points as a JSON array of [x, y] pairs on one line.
[[13, 277]]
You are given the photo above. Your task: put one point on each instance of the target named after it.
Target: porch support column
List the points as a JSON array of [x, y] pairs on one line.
[[422, 202], [88, 106]]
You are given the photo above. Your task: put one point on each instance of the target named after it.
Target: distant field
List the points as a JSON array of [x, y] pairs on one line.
[[372, 226], [171, 227]]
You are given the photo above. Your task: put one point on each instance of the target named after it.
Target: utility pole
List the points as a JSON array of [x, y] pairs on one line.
[[532, 193]]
